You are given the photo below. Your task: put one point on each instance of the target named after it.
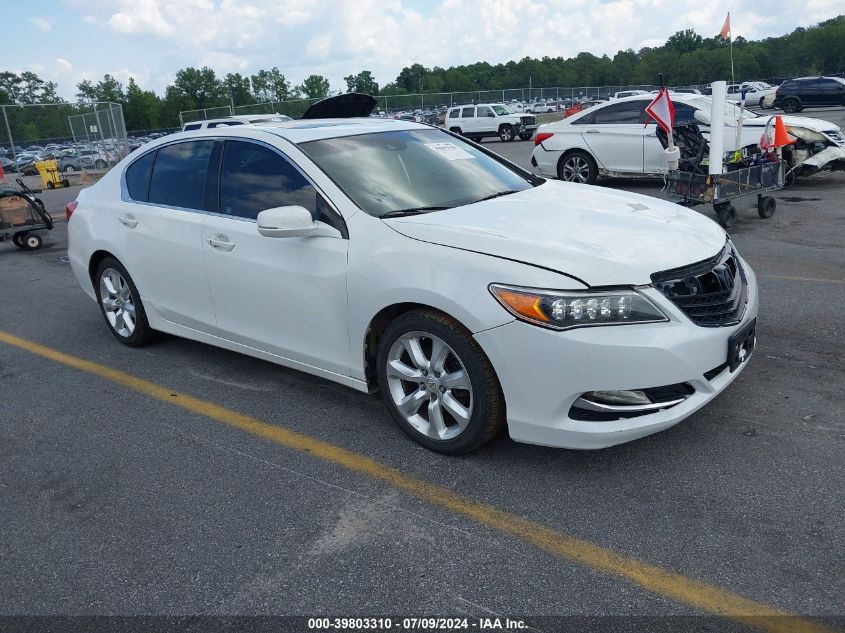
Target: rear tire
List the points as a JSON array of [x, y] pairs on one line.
[[451, 402], [17, 240], [578, 166], [791, 105], [120, 304], [456, 130]]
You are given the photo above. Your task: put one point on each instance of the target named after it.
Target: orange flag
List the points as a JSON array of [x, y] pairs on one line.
[[726, 27]]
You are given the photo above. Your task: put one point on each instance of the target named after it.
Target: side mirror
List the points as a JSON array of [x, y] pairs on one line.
[[286, 222]]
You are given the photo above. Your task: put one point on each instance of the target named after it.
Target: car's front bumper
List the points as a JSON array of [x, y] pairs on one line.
[[543, 372]]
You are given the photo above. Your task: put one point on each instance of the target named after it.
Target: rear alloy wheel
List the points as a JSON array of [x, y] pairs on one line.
[[438, 384], [121, 304], [791, 105], [578, 167], [69, 169], [506, 133]]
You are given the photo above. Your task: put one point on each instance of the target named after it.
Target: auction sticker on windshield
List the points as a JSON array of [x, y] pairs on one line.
[[449, 150]]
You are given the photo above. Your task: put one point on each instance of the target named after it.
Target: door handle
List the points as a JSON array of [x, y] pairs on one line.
[[220, 242], [593, 132], [128, 220]]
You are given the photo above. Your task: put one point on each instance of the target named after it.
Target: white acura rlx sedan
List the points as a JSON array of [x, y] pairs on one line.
[[392, 256]]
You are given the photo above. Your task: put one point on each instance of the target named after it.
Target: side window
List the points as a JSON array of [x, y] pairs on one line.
[[620, 113], [224, 124], [467, 113], [684, 113], [255, 178], [192, 126], [455, 114], [484, 111], [179, 173], [138, 177]]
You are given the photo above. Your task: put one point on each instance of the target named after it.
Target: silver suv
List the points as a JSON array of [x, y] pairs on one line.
[[490, 119]]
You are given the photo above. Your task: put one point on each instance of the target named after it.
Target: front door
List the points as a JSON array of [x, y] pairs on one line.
[[285, 296], [615, 136]]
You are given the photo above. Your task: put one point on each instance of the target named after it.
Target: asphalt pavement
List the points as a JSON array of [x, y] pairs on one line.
[[116, 501]]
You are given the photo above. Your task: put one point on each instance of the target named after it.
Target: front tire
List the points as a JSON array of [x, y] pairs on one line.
[[438, 384], [506, 133], [727, 214], [578, 167], [525, 137], [120, 303]]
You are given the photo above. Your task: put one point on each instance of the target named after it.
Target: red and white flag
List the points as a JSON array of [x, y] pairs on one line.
[[725, 33], [662, 110]]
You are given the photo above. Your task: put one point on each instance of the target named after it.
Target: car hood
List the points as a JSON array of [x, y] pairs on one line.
[[817, 125], [600, 236]]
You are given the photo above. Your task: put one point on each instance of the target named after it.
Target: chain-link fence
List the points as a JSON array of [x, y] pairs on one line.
[[79, 137], [392, 104]]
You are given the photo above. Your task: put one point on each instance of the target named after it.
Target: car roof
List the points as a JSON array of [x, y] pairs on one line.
[[304, 130]]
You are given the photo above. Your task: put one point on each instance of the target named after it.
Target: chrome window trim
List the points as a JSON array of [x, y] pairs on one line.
[[124, 189]]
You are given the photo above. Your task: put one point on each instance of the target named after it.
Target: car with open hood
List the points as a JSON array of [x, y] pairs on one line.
[[617, 139], [394, 257]]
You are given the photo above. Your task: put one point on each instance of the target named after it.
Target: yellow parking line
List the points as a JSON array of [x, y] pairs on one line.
[[819, 280], [700, 595]]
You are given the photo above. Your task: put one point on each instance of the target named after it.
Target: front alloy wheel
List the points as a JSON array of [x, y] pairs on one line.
[[429, 385], [438, 384]]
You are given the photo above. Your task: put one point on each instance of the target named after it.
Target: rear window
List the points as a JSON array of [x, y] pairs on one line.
[[178, 178], [191, 126], [138, 177]]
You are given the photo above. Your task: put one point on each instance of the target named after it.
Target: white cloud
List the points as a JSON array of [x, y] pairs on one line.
[[140, 17], [339, 37], [42, 24], [63, 64]]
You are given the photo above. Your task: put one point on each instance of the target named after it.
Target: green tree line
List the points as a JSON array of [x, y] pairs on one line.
[[686, 58]]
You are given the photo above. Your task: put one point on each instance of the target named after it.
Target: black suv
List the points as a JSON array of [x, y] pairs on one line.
[[793, 95]]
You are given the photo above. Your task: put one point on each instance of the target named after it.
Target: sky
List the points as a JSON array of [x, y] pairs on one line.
[[67, 41]]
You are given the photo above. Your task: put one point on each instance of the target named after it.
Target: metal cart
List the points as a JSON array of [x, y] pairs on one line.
[[49, 172], [690, 189], [21, 223]]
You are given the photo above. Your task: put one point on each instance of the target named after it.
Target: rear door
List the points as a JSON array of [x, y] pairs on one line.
[[285, 296], [615, 136], [485, 120], [160, 231]]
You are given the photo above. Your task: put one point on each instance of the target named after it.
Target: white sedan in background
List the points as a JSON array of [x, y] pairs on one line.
[[391, 256], [613, 139]]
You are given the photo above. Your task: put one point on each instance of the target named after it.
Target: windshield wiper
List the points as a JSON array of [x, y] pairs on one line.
[[398, 213], [498, 194]]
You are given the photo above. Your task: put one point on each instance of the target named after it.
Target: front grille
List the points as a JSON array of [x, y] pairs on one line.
[[836, 135], [528, 120], [712, 293]]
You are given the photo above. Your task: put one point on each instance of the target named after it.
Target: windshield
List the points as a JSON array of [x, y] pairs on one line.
[[408, 170], [501, 110], [705, 104]]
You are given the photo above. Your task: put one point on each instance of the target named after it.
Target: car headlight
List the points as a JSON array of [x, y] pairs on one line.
[[566, 310]]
